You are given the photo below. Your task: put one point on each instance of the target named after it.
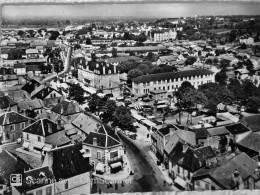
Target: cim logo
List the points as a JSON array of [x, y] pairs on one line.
[[16, 179]]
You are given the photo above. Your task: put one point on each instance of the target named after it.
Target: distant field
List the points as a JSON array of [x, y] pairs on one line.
[[220, 31]]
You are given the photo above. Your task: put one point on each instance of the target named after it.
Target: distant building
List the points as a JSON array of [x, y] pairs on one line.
[[162, 35], [171, 81]]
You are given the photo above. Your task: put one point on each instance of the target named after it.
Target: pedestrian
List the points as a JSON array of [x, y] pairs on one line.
[[122, 184]]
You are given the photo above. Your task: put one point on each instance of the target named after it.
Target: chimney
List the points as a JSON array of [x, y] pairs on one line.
[[30, 108], [58, 124], [35, 85], [48, 160], [61, 110], [114, 69], [1, 146], [49, 128], [94, 141]]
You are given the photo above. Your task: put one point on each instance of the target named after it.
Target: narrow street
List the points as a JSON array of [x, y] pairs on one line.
[[147, 176]]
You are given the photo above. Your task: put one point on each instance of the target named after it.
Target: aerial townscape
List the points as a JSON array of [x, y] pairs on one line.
[[120, 105]]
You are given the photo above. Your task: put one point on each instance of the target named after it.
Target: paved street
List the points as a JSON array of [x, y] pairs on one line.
[[147, 176]]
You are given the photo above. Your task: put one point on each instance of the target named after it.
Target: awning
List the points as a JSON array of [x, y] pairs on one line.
[[46, 148], [26, 144], [38, 145], [100, 167], [162, 106], [115, 165], [181, 182]]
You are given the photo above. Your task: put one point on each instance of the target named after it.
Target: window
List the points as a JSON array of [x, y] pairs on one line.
[[213, 188], [49, 190], [207, 186], [99, 155], [154, 82], [39, 138], [39, 192], [178, 169], [154, 88], [197, 183], [54, 95], [27, 136], [11, 127], [66, 185], [113, 154], [188, 175], [22, 125], [168, 87], [163, 88]]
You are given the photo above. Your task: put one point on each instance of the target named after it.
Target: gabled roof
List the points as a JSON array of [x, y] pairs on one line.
[[85, 123], [68, 162], [42, 92], [166, 130], [40, 127], [12, 118], [66, 108], [19, 95], [171, 75], [187, 159], [6, 101], [180, 136], [252, 122], [252, 142], [217, 131]]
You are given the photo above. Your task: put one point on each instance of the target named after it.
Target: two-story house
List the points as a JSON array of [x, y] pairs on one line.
[[68, 110], [7, 104], [48, 95], [11, 125], [171, 81], [43, 135], [71, 169], [36, 181], [238, 173], [105, 148], [26, 107]]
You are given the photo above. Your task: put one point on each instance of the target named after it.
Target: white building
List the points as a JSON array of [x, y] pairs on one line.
[[163, 35], [171, 81]]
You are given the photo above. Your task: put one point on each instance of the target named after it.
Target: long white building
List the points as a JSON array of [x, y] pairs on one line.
[[171, 81]]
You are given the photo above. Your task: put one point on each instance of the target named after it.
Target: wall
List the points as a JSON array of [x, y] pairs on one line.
[[15, 134], [81, 181], [43, 189], [202, 184], [8, 83], [172, 85]]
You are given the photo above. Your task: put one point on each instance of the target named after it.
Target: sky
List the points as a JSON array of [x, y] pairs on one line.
[[144, 10]]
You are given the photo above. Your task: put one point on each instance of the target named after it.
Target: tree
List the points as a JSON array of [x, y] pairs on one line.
[[122, 117], [190, 60], [88, 41], [212, 106], [77, 46], [57, 65], [243, 46], [156, 70], [253, 104], [236, 88], [114, 52], [221, 78], [20, 33], [110, 110], [14, 54], [54, 35], [134, 73], [232, 36], [225, 96], [76, 93], [249, 88], [250, 67]]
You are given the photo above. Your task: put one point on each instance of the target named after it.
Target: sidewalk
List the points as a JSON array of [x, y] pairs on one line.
[[162, 169], [121, 175]]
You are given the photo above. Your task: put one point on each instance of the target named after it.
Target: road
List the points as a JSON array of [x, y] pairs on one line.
[[147, 176]]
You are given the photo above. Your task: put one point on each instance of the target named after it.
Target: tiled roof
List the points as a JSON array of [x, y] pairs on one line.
[[85, 123], [252, 142], [237, 128], [186, 159], [19, 95], [37, 175], [30, 86], [205, 152], [6, 101], [68, 162], [12, 118], [10, 165], [167, 58], [35, 104], [66, 107], [216, 131], [57, 139], [40, 127], [171, 75], [222, 174], [42, 92], [252, 122]]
